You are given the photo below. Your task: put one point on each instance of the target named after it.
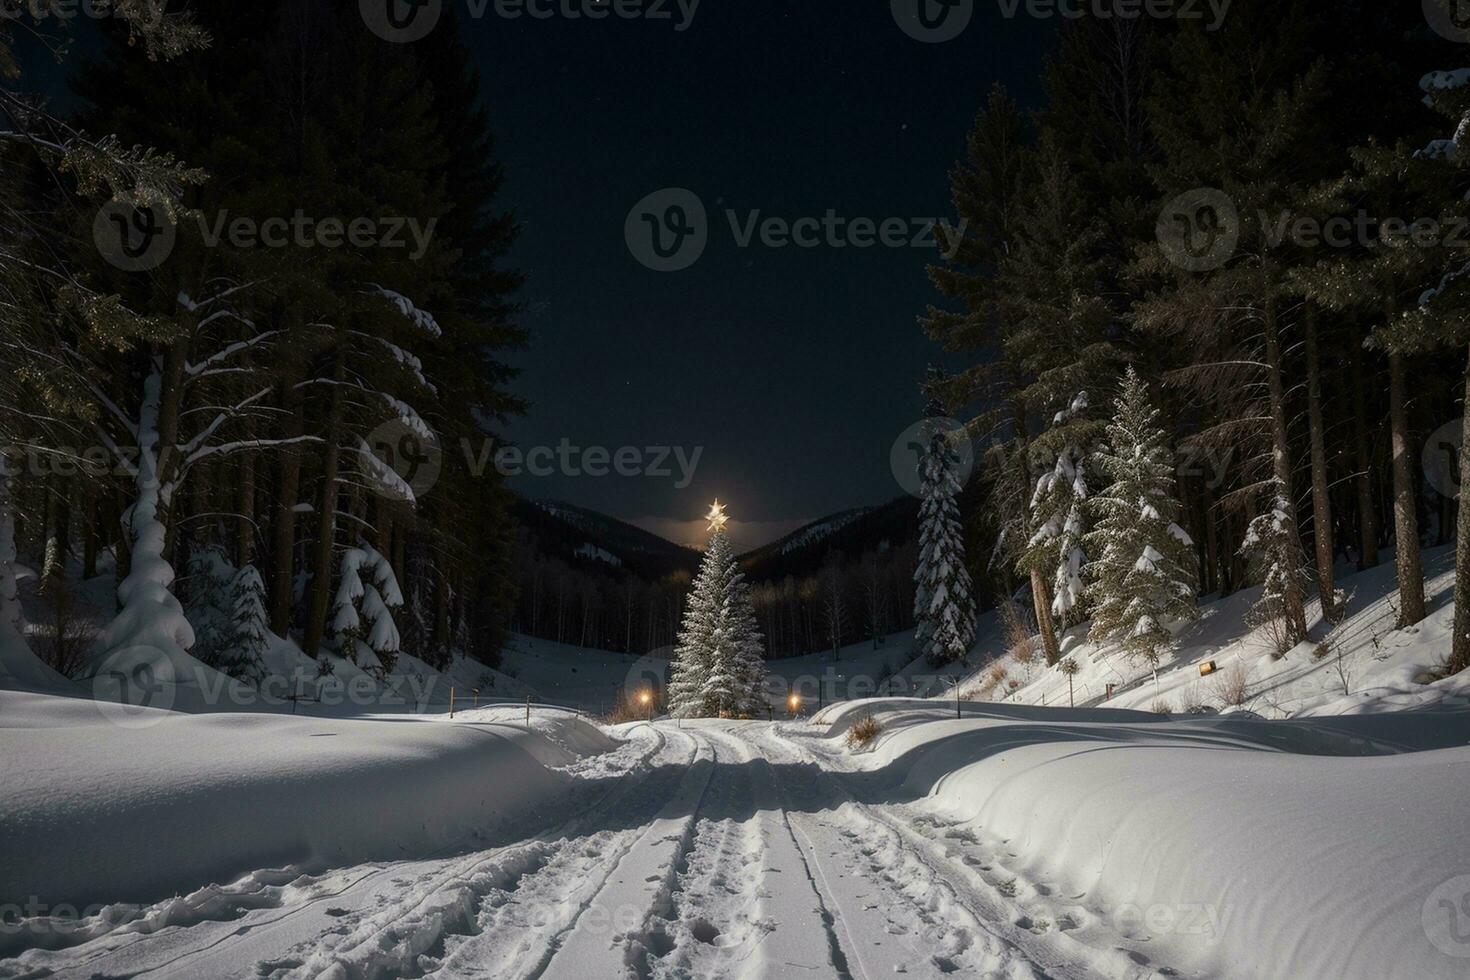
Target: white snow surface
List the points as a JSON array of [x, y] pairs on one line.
[[1012, 842], [1367, 665], [967, 838]]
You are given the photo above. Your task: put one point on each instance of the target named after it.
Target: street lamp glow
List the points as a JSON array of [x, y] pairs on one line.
[[644, 697], [795, 702]]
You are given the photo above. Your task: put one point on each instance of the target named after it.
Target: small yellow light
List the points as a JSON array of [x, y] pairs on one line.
[[795, 702], [644, 697]]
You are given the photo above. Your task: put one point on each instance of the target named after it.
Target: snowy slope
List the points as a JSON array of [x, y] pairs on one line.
[[1368, 665]]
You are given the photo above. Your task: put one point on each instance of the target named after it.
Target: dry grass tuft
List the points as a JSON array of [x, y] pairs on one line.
[[862, 734]]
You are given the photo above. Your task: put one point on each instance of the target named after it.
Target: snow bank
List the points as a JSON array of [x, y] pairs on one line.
[[141, 813], [1235, 847]]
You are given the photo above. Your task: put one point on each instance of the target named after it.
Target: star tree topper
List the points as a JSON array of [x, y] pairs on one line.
[[717, 517]]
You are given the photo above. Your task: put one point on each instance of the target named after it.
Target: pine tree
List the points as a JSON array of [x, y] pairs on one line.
[[719, 659], [944, 608], [368, 596], [251, 622], [1273, 548], [210, 579], [1264, 154], [1439, 317], [1145, 575], [1059, 510]]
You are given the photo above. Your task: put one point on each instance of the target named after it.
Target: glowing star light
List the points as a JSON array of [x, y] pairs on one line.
[[717, 517]]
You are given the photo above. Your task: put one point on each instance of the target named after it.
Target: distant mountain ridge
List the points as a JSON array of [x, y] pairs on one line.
[[581, 536], [850, 533]]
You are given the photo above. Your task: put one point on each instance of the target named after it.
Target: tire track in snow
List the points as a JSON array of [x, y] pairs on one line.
[[594, 942], [901, 915], [739, 908], [504, 921], [1047, 931], [794, 907], [692, 929]]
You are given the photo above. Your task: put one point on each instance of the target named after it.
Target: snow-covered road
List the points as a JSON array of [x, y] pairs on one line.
[[711, 850]]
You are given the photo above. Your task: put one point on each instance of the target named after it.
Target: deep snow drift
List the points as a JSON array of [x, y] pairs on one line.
[[1220, 847], [95, 812]]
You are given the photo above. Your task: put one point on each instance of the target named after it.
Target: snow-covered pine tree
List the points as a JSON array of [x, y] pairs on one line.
[[210, 580], [750, 653], [251, 622], [1274, 550], [1145, 576], [944, 608], [719, 660], [363, 630], [1059, 512]]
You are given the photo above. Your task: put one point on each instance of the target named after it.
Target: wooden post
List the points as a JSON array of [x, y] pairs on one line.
[[477, 697], [451, 702]]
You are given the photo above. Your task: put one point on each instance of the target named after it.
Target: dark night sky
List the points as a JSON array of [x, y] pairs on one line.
[[794, 369]]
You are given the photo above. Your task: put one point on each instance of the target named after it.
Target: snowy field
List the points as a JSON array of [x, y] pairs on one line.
[[1013, 842], [1306, 831]]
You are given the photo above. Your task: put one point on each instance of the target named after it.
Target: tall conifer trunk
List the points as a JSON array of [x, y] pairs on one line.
[[1405, 511], [1367, 511], [1460, 647], [1292, 600], [1321, 498], [321, 580], [283, 526]]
